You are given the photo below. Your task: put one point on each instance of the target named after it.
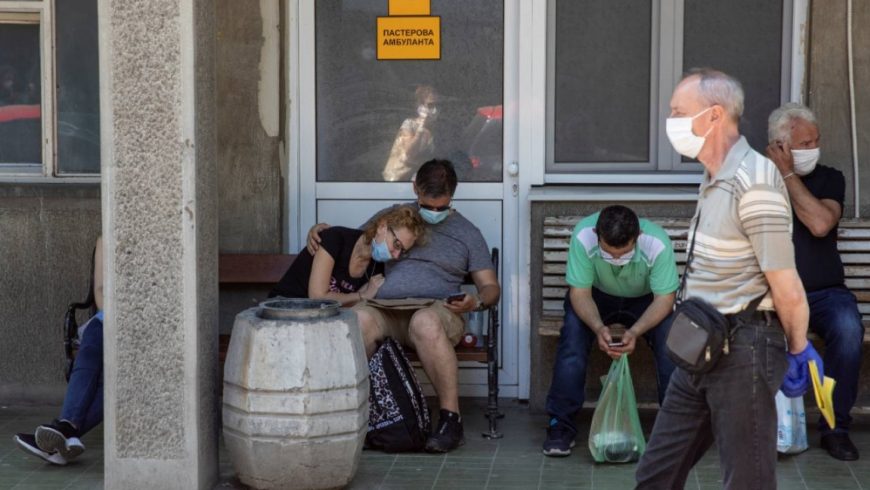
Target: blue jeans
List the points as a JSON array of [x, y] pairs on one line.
[[733, 405], [567, 390], [83, 404], [835, 318]]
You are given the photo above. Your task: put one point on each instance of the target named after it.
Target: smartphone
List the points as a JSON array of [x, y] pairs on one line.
[[455, 297], [616, 343]]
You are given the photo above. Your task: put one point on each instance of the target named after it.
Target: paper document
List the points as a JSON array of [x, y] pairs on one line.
[[824, 394]]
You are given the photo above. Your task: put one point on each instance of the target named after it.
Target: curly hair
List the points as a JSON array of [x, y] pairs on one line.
[[396, 217]]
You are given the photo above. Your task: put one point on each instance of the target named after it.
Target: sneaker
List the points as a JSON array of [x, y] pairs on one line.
[[59, 436], [449, 435], [27, 443], [560, 439]]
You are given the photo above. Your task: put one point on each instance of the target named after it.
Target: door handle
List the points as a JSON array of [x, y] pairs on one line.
[[513, 169]]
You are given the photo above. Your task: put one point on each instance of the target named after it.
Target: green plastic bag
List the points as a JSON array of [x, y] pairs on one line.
[[615, 435]]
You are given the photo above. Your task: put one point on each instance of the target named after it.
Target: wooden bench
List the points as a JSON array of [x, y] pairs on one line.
[[267, 269], [853, 244]]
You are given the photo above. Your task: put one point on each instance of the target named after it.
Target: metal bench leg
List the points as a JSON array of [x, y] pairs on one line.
[[492, 412]]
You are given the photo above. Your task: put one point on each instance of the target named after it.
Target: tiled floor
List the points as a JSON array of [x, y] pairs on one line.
[[514, 462]]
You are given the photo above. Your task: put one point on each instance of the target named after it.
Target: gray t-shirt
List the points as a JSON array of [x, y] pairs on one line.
[[437, 268]]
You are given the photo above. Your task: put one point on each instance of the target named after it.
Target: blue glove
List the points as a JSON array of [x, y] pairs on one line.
[[797, 377]]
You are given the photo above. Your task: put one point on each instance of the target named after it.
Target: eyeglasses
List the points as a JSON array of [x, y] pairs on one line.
[[397, 244], [434, 208]]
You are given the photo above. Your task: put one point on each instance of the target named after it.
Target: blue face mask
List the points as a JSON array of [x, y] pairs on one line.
[[433, 217], [380, 251]]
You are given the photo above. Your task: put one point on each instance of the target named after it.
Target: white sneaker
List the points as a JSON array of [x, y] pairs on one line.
[[61, 437], [27, 443]]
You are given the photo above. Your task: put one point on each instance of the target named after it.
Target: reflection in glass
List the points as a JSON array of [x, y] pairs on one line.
[[602, 81], [370, 125], [749, 48], [414, 144], [20, 94]]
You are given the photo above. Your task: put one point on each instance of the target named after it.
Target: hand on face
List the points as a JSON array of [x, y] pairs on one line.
[[780, 154]]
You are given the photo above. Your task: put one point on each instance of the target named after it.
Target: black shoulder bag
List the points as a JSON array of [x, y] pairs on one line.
[[699, 333]]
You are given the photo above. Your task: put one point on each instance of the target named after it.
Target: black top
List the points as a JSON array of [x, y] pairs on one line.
[[818, 261], [338, 242]]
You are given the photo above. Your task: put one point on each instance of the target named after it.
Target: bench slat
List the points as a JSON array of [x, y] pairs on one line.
[[253, 268]]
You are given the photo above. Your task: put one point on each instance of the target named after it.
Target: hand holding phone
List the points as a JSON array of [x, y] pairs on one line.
[[455, 297], [616, 342]]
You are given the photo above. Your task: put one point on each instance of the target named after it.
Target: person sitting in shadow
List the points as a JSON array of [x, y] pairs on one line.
[[59, 441]]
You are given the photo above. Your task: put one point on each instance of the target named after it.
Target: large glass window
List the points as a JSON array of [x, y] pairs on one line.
[[379, 120], [613, 64], [49, 88], [752, 53], [78, 87], [20, 92], [602, 81]]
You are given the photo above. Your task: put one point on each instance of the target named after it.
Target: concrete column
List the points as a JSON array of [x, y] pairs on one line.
[[160, 231]]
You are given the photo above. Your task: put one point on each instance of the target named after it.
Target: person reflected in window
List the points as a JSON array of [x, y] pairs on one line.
[[348, 267], [59, 442], [415, 142]]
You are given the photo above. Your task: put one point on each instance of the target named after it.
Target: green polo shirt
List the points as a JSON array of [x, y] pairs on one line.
[[651, 269]]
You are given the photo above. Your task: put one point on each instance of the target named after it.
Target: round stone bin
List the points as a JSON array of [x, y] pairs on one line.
[[295, 401]]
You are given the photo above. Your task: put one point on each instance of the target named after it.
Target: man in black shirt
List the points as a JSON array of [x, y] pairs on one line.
[[817, 194]]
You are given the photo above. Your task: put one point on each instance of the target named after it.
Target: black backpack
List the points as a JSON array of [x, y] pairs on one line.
[[398, 414]]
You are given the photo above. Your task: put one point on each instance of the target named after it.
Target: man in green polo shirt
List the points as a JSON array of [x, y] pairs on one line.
[[621, 271]]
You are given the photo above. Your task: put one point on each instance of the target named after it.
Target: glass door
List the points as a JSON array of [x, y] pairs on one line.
[[384, 85]]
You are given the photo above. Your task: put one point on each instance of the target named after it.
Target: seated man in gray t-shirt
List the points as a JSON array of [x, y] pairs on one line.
[[434, 269]]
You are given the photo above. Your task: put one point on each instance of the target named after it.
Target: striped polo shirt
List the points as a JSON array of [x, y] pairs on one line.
[[745, 229], [652, 268]]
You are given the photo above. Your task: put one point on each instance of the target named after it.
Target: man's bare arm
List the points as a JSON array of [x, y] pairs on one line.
[[790, 302], [661, 307], [488, 290]]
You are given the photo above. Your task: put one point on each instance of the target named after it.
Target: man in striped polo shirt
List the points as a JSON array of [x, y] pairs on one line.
[[621, 271], [742, 251]]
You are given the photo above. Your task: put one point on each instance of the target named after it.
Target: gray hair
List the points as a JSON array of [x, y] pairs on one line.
[[780, 121], [719, 88]]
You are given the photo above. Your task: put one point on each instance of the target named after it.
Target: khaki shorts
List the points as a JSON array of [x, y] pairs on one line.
[[395, 322]]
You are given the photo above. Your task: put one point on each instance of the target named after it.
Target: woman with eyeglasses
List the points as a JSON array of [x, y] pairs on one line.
[[348, 266]]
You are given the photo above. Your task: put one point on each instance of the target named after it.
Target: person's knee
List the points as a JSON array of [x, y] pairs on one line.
[[425, 328], [371, 332], [845, 329]]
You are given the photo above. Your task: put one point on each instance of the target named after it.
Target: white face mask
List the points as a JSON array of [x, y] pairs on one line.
[[679, 130], [805, 160], [427, 112], [620, 261]]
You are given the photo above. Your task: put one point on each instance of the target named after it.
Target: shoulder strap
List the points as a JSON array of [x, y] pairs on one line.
[[690, 255]]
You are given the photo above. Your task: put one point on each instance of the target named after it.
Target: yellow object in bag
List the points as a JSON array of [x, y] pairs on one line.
[[824, 392]]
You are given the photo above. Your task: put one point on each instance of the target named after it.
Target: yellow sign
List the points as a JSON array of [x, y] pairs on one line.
[[409, 7], [409, 38]]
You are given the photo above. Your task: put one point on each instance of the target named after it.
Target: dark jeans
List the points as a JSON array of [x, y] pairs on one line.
[[835, 318], [732, 405], [83, 404], [567, 390]]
